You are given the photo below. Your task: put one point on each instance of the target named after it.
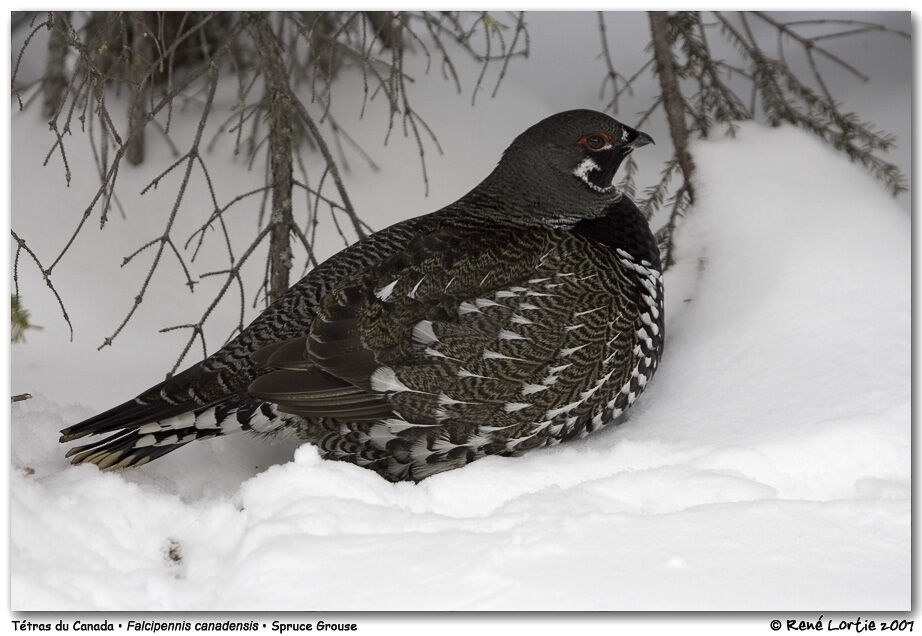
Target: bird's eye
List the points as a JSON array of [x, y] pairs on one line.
[[596, 141]]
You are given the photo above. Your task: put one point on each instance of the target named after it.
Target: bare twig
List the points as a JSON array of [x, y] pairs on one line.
[[164, 240], [46, 275], [231, 274], [810, 45]]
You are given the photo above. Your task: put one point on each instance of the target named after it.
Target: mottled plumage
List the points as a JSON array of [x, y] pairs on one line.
[[527, 313]]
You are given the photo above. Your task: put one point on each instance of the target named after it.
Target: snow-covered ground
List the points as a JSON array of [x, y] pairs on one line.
[[766, 467]]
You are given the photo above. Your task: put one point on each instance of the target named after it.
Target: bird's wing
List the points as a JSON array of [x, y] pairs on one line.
[[536, 334]]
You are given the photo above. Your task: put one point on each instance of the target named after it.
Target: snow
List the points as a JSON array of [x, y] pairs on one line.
[[766, 466]]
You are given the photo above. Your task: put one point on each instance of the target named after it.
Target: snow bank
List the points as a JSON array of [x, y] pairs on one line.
[[767, 466]]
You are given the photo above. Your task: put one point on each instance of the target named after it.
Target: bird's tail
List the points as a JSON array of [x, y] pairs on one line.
[[141, 432]]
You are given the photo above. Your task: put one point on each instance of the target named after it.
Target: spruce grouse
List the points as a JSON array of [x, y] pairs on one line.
[[527, 313]]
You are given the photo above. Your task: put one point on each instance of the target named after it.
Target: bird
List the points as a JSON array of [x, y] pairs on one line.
[[525, 314]]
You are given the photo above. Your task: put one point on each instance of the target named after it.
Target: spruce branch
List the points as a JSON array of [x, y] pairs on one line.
[[700, 93]]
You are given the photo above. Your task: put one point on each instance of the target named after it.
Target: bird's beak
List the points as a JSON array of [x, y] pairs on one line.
[[636, 139]]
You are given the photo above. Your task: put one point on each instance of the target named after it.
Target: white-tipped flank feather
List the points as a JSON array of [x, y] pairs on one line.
[[423, 333], [385, 292], [385, 380]]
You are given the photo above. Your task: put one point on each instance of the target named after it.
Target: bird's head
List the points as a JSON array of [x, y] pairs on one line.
[[569, 161]]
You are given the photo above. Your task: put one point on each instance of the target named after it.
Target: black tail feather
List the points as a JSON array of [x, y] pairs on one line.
[[138, 432], [128, 415], [122, 450], [130, 447]]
